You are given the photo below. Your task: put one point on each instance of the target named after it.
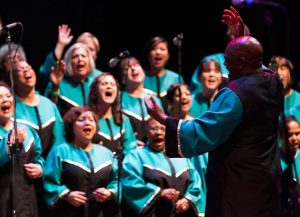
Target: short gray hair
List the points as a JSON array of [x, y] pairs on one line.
[[4, 51], [68, 58]]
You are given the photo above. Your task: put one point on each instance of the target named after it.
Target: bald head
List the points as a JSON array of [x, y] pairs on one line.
[[243, 56]]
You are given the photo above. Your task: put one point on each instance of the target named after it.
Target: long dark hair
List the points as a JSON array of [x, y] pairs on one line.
[[94, 94]]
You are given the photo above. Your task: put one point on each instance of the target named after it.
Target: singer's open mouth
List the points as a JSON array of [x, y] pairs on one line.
[[158, 140], [5, 108], [87, 130], [108, 93], [134, 75]]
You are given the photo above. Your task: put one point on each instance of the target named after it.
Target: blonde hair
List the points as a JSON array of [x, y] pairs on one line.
[[87, 35]]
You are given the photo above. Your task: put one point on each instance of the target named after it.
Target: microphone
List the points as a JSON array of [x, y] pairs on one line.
[[177, 40], [9, 26], [114, 61]]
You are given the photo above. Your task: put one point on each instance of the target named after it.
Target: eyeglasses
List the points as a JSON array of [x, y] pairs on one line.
[[156, 129]]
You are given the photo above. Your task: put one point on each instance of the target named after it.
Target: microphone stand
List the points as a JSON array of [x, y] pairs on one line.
[[179, 46], [13, 148], [120, 144], [178, 43], [120, 150]]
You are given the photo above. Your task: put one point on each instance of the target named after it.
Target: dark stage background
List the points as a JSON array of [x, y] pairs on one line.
[[128, 25]]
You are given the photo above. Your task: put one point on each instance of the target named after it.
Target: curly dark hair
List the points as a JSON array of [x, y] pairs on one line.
[[94, 94], [71, 116]]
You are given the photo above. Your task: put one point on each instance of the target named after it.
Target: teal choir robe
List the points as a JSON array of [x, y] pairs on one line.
[[135, 109], [23, 187], [45, 119], [158, 85], [295, 111], [146, 173], [292, 101], [109, 135], [295, 170], [70, 168], [71, 93]]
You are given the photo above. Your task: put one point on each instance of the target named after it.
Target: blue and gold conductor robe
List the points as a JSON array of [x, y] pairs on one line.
[[24, 188], [239, 131], [70, 168], [146, 173]]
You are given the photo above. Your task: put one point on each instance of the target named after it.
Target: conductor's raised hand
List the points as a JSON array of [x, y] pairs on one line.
[[233, 20], [155, 111]]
